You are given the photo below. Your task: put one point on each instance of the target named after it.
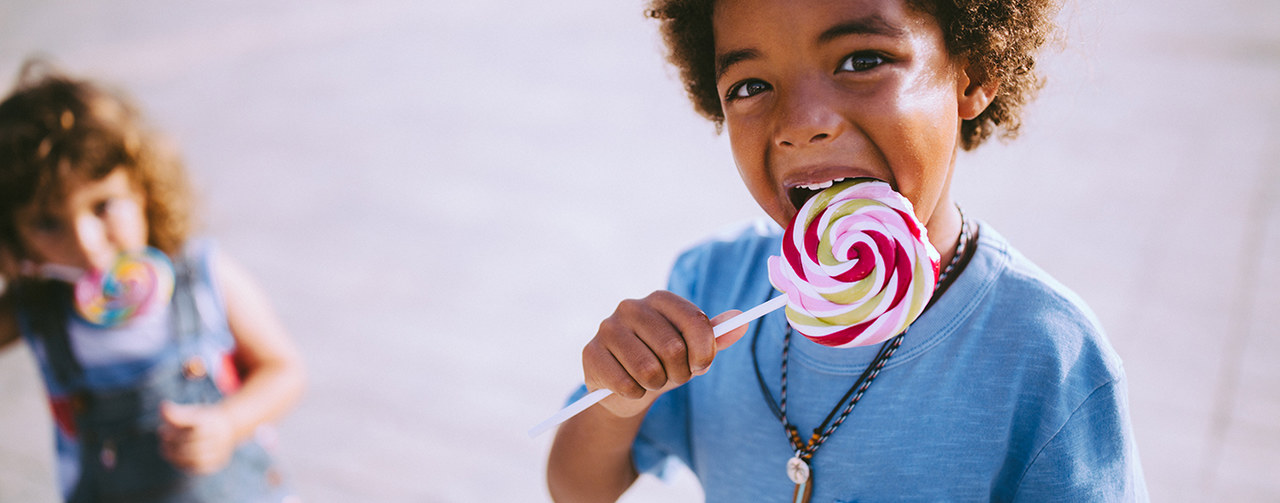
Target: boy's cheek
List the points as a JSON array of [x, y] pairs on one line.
[[759, 184], [766, 197]]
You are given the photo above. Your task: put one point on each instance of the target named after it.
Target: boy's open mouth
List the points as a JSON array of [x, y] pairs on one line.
[[800, 194]]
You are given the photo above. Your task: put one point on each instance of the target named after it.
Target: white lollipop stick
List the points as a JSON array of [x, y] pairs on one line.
[[595, 396]]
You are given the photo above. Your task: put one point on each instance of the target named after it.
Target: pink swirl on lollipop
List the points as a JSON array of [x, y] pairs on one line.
[[135, 284], [856, 266]]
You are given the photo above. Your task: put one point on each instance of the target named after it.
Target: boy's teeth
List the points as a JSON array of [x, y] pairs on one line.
[[823, 185]]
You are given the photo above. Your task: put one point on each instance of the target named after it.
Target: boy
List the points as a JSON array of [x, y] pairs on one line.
[[1004, 389]]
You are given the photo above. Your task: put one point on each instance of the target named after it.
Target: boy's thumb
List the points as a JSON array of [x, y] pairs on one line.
[[726, 340]]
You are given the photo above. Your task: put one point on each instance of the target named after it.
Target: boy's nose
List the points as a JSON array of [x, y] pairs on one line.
[[807, 117], [93, 249]]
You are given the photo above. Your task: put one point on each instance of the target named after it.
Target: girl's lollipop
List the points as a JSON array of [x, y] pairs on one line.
[[856, 265], [135, 284], [856, 269]]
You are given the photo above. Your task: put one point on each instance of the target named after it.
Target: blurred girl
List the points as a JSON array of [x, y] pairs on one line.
[[166, 405]]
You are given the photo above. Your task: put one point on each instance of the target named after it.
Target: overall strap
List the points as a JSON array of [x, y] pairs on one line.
[[47, 307], [187, 322]]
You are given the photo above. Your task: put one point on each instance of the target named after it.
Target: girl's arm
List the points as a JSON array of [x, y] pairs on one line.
[[202, 438], [272, 368]]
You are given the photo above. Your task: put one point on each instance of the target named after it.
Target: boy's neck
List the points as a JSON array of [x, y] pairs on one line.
[[944, 228]]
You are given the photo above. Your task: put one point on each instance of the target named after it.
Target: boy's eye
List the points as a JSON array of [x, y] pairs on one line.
[[861, 62], [746, 89], [101, 208]]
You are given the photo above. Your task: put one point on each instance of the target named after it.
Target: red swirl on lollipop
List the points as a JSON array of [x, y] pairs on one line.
[[133, 286], [856, 265]]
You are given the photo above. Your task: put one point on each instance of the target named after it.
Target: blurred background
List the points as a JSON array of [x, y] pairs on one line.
[[443, 200]]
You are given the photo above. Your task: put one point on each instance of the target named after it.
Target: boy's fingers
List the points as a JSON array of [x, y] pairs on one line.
[[647, 345], [639, 361], [670, 353], [608, 372], [652, 344], [693, 327], [726, 340], [666, 343]]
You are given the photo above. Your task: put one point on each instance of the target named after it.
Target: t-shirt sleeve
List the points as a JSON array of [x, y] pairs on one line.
[[685, 272], [1092, 458], [664, 436]]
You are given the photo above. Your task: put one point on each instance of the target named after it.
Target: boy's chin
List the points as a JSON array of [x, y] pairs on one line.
[[782, 218]]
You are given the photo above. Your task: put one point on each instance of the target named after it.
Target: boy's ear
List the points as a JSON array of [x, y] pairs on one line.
[[976, 91]]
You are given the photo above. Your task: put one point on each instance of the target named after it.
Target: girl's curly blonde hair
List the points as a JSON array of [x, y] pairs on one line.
[[52, 125], [1001, 37]]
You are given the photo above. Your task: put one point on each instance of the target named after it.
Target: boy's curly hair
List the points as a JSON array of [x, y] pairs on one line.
[[1001, 37], [52, 125]]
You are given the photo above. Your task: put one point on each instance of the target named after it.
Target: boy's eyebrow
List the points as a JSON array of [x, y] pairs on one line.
[[873, 24], [869, 25], [724, 61]]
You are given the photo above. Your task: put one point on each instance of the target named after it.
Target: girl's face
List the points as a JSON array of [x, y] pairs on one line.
[[92, 223], [818, 90]]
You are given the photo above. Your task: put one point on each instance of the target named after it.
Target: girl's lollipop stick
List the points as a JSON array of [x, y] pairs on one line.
[[595, 396], [60, 272]]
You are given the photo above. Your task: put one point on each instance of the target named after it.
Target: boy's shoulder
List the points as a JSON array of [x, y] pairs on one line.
[[1018, 305], [1022, 282], [729, 269], [741, 238]]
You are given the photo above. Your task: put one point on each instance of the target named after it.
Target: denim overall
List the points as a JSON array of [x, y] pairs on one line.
[[119, 445]]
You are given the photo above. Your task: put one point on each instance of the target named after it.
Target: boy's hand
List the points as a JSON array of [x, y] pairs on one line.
[[197, 438], [649, 346]]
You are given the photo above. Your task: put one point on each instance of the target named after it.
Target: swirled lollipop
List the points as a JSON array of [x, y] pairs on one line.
[[135, 284], [856, 265]]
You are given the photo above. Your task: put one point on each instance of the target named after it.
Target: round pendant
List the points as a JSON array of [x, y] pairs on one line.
[[797, 470]]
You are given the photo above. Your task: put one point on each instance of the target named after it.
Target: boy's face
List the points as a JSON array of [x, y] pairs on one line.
[[88, 226], [817, 90]]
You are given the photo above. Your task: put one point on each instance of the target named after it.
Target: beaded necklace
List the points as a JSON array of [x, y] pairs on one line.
[[798, 468]]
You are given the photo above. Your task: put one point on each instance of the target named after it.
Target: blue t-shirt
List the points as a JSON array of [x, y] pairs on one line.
[[1006, 389]]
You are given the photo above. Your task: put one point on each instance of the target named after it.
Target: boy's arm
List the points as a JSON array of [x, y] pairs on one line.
[[646, 348], [202, 438], [591, 457]]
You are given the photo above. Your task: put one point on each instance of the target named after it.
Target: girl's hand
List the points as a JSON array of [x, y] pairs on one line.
[[196, 438], [649, 346]]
